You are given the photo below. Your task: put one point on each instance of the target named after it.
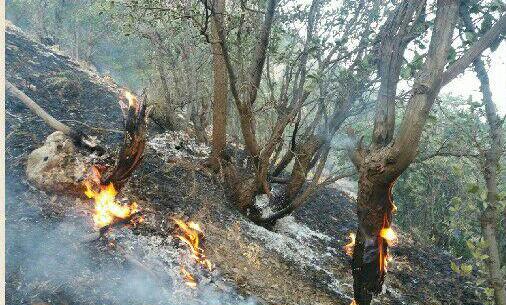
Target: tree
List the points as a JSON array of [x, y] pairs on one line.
[[220, 91], [389, 155], [490, 159]]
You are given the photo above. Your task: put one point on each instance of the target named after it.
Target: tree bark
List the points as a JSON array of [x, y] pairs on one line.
[[394, 37], [489, 218], [220, 92], [378, 169]]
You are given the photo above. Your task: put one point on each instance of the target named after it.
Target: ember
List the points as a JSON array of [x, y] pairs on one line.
[[348, 248]]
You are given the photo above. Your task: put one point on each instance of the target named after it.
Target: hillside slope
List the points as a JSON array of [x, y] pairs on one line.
[[300, 262]]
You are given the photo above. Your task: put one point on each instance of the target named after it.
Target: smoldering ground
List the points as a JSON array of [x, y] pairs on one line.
[[48, 263]]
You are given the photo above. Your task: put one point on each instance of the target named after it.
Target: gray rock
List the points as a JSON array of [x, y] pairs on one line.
[[56, 166]]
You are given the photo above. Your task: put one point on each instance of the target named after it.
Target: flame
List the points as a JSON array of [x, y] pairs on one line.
[[107, 208], [386, 234], [353, 302], [191, 233], [132, 100], [389, 235], [348, 248], [188, 278]]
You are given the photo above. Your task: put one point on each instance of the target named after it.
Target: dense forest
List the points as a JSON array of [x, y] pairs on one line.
[[295, 96]]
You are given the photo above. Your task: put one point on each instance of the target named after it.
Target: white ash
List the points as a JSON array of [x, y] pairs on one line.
[[262, 201], [290, 227], [286, 246], [177, 145]]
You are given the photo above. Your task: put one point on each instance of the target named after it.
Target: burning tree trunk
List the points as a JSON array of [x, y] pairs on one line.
[[389, 156], [134, 141]]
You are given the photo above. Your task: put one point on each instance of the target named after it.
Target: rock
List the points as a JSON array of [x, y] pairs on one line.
[[56, 166]]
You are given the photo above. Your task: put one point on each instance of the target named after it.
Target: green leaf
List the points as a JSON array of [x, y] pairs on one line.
[[472, 188], [406, 72], [452, 55], [466, 269], [454, 267], [470, 36]]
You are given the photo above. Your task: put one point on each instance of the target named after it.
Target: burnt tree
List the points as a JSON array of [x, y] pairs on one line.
[[389, 154]]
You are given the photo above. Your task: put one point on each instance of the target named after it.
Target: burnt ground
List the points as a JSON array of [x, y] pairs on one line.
[[300, 261]]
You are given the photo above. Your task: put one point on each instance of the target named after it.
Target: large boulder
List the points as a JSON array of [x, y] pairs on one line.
[[56, 166]]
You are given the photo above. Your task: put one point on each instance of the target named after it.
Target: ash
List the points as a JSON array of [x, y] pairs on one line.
[[173, 145]]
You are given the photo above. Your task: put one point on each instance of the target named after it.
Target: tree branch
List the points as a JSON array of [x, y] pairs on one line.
[[498, 29], [79, 138]]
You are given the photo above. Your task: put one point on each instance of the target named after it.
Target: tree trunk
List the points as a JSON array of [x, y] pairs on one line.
[[489, 218], [220, 92], [374, 212], [379, 168]]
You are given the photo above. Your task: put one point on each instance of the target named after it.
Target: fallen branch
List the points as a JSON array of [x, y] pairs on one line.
[[77, 136]]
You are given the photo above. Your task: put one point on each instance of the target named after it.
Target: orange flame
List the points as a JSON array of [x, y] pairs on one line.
[[191, 237], [389, 235], [348, 248], [107, 208], [353, 302], [188, 278]]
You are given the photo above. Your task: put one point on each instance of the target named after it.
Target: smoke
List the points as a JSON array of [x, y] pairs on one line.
[[47, 262], [343, 142]]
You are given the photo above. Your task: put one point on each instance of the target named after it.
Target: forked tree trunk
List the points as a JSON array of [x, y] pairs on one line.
[[379, 168]]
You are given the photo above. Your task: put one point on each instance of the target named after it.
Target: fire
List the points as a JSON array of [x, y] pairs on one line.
[[107, 208], [348, 248], [132, 100], [191, 233], [353, 302], [386, 234], [389, 235], [188, 278]]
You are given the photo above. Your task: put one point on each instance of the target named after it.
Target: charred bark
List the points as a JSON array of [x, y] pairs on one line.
[[134, 141]]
